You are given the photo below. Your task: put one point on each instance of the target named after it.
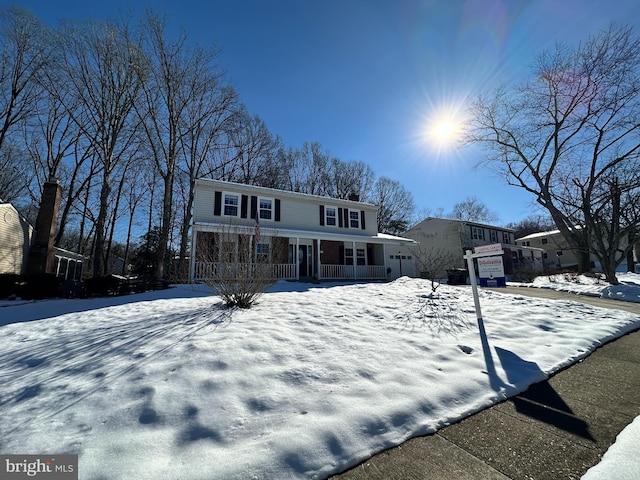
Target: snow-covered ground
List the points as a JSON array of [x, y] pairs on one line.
[[628, 290], [312, 380]]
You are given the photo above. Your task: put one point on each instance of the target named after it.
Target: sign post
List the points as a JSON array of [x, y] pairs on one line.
[[482, 251]]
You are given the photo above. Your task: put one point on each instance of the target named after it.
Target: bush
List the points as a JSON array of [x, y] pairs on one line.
[[9, 284], [234, 272], [38, 286], [525, 275], [112, 285]]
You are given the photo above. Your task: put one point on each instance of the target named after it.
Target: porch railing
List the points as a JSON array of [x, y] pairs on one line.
[[360, 272], [209, 270], [287, 271]]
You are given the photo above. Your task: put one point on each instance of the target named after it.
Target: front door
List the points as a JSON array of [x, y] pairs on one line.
[[304, 261]]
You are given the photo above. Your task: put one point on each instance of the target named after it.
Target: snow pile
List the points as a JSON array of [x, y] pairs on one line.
[[312, 380], [621, 461]]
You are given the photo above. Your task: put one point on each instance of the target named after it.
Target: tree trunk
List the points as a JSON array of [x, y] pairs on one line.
[[98, 255], [584, 259], [609, 271], [184, 229], [166, 224], [634, 244]]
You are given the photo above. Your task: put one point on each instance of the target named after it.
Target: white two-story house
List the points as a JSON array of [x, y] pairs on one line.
[[300, 236]]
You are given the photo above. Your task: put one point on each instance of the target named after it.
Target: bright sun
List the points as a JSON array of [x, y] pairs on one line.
[[444, 127], [443, 131]]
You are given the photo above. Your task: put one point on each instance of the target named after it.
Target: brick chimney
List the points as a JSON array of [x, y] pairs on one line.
[[41, 258]]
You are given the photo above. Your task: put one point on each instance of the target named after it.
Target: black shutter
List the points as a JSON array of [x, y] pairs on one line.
[[340, 217], [254, 206], [217, 203], [362, 219], [322, 215], [346, 217], [341, 255], [243, 206], [277, 214]]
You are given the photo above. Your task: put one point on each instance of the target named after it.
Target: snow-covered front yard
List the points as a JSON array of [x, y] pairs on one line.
[[312, 380]]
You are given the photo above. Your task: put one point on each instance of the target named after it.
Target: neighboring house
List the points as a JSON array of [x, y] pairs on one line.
[[15, 240], [559, 255], [453, 237], [557, 252], [300, 236], [18, 240], [68, 265]]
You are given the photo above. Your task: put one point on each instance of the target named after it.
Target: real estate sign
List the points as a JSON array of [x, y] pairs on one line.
[[494, 247], [491, 272]]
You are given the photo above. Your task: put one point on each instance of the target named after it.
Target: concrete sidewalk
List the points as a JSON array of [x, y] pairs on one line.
[[557, 429]]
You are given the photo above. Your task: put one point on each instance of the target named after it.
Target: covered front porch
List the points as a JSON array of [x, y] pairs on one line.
[[289, 255]]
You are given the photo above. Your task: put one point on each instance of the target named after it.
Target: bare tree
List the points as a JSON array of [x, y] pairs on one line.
[[566, 132], [350, 179], [531, 224], [167, 94], [433, 263], [56, 145], [14, 172], [234, 265], [314, 161], [252, 147], [395, 206], [135, 191], [25, 52], [103, 68], [208, 116], [471, 209]]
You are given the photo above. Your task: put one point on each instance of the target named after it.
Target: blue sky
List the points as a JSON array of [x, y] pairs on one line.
[[364, 77]]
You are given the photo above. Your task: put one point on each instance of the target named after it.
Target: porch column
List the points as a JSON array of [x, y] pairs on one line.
[[319, 262], [249, 256], [192, 260], [384, 258], [355, 261], [296, 259]]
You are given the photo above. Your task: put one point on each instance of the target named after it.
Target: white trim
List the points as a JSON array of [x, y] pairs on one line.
[[272, 210], [335, 217], [192, 260], [357, 212], [355, 263], [319, 261], [296, 259], [224, 204]]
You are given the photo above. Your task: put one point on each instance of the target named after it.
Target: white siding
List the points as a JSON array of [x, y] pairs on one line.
[[297, 211], [15, 239]]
